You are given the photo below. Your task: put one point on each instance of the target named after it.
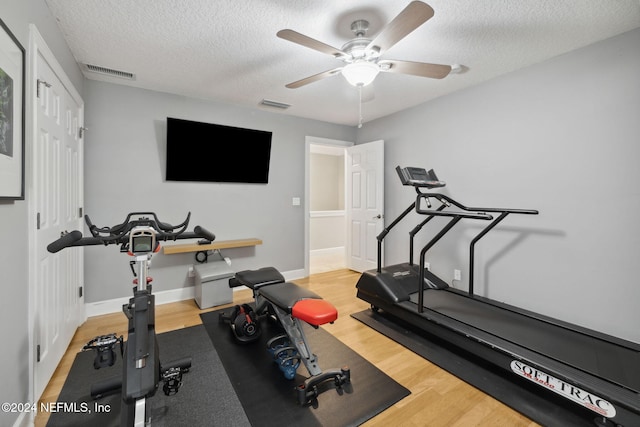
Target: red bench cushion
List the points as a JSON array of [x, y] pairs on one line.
[[314, 311]]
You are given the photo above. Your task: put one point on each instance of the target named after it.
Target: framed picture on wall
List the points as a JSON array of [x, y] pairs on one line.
[[12, 65]]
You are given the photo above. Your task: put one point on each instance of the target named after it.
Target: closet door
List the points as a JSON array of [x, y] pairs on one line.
[[56, 203]]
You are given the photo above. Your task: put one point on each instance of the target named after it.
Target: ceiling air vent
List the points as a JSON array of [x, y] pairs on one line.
[[274, 104], [109, 71]]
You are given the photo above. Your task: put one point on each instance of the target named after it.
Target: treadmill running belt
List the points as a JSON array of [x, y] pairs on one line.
[[600, 358]]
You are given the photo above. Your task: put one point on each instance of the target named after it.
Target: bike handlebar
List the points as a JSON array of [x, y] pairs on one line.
[[204, 233], [119, 233], [64, 241]]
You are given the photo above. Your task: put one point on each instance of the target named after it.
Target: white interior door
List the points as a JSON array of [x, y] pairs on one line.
[[365, 203], [57, 199]]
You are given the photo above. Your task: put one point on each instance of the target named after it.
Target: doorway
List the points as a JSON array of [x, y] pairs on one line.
[[349, 241], [325, 223], [327, 227]]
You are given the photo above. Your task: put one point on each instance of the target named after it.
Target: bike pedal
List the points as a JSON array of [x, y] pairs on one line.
[[104, 347], [172, 378]]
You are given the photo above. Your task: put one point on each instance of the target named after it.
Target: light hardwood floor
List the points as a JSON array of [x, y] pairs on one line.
[[322, 262], [437, 398]]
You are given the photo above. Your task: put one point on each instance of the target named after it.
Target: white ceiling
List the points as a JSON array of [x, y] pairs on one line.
[[227, 50]]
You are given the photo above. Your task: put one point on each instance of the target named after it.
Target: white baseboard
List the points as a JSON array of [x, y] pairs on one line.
[[164, 297], [293, 274], [328, 251], [115, 305]]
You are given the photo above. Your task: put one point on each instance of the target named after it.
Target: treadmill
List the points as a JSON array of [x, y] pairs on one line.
[[569, 363]]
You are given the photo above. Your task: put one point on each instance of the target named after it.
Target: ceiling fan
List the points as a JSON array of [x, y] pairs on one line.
[[362, 55]]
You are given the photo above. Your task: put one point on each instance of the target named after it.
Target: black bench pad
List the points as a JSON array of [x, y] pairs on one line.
[[255, 279], [286, 295]]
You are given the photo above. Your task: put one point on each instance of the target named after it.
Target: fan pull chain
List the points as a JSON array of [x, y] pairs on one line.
[[360, 106]]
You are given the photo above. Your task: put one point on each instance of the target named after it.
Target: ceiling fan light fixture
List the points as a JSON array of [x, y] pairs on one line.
[[360, 73]]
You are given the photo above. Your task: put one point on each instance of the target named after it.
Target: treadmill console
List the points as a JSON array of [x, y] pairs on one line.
[[419, 177]]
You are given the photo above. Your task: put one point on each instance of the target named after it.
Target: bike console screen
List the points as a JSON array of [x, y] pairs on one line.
[[142, 240]]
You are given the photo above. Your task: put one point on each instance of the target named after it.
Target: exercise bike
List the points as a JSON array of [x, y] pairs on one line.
[[139, 236]]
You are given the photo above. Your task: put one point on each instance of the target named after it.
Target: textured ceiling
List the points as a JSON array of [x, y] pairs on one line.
[[227, 50]]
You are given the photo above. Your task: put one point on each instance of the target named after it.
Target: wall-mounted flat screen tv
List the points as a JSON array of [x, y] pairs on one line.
[[209, 152]]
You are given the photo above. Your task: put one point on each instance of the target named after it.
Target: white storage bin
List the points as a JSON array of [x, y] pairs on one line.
[[212, 284]]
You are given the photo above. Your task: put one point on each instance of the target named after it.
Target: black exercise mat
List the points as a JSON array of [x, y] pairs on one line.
[[519, 394], [269, 399], [205, 399]]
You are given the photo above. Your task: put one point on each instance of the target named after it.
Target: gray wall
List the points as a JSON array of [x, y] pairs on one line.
[[124, 171], [14, 298], [560, 137]]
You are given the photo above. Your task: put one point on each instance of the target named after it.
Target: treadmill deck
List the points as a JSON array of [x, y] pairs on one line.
[[604, 359]]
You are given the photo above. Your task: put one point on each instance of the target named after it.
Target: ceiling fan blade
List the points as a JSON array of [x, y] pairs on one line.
[[414, 15], [421, 69], [301, 39], [314, 78]]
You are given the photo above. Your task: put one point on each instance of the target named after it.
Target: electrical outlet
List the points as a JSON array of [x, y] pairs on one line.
[[457, 275], [192, 272], [427, 266]]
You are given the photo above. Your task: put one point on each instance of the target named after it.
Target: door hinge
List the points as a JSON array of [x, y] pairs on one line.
[[38, 221], [38, 353], [80, 212], [79, 291], [39, 82], [81, 131]]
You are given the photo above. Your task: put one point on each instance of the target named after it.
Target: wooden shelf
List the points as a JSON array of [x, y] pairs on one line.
[[221, 244]]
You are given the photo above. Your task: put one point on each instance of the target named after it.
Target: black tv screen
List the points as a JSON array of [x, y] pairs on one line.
[[209, 152]]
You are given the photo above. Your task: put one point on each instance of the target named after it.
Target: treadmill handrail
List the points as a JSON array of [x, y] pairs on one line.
[[444, 199], [461, 214], [455, 218], [386, 231], [415, 231], [448, 201]]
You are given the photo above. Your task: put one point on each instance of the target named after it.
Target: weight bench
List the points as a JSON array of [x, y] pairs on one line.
[[291, 305]]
